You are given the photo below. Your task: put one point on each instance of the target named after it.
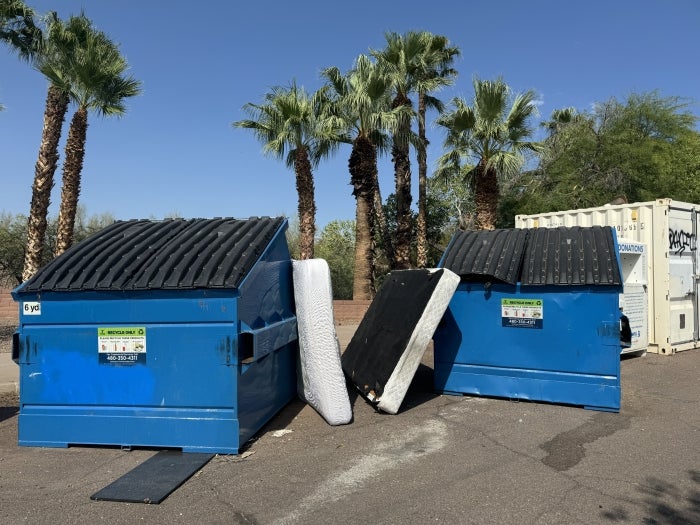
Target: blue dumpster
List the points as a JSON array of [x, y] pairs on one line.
[[175, 333], [535, 317]]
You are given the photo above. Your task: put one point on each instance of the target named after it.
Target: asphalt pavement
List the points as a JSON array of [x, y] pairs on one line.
[[441, 459]]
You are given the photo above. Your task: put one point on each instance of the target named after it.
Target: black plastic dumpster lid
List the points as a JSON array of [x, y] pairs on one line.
[[487, 254], [537, 256], [571, 256], [160, 254]]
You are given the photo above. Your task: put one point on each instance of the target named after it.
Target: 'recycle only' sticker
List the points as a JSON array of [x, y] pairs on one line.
[[522, 313], [121, 344]]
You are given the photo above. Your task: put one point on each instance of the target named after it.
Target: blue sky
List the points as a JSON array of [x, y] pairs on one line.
[[175, 151]]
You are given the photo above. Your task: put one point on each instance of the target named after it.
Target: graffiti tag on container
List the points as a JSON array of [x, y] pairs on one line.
[[679, 240]]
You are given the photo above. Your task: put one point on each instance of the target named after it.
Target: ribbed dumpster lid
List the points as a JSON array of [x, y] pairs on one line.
[[160, 254], [537, 256], [571, 256], [492, 254]]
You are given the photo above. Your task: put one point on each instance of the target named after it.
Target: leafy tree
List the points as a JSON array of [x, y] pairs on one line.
[[682, 166], [336, 245], [95, 79], [641, 150], [13, 239], [293, 122], [648, 135], [292, 236], [486, 142], [360, 101], [452, 193], [13, 234], [439, 228]]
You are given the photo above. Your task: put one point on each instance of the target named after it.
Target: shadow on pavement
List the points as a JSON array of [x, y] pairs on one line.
[[9, 405], [7, 412], [665, 503]]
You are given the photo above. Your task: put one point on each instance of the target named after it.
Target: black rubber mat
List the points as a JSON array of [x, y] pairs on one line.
[[154, 479]]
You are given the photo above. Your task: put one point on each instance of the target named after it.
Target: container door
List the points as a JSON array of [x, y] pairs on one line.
[[683, 268]]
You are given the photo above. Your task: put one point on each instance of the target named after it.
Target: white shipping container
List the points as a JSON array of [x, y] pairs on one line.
[[669, 230]]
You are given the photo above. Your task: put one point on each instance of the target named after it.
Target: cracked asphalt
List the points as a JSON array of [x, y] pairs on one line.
[[441, 459]]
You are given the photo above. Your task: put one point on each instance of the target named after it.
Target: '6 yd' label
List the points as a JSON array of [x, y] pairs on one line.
[[31, 308]]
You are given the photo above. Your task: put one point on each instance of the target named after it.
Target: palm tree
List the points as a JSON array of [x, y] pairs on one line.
[[293, 122], [18, 28], [399, 61], [52, 46], [94, 77], [560, 118], [557, 140], [486, 142], [434, 71], [361, 100]]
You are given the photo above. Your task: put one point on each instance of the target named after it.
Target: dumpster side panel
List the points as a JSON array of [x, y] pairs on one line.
[[80, 385], [267, 380], [265, 388], [74, 365], [531, 343]]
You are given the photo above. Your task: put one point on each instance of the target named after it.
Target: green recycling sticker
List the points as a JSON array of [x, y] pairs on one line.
[[522, 313], [121, 344]]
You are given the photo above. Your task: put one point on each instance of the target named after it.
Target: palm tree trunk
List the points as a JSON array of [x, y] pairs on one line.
[[72, 171], [307, 203], [486, 194], [381, 223], [402, 174], [363, 278], [421, 223], [54, 114], [402, 251], [363, 173]]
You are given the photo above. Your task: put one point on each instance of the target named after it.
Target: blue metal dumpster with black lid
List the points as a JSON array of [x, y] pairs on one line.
[[535, 316], [165, 334]]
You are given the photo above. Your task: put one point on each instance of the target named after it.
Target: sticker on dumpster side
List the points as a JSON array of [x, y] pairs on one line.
[[31, 308], [522, 313], [121, 345]]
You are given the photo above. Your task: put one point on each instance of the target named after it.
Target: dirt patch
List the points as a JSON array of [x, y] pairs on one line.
[[8, 399], [6, 332]]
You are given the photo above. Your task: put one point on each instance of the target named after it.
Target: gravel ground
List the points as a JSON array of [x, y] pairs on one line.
[[6, 332], [9, 401]]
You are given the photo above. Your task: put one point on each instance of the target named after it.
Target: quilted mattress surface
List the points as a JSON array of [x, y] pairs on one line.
[[321, 382]]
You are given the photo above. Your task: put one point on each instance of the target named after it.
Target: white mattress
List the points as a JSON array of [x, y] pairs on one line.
[[321, 382], [402, 375]]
